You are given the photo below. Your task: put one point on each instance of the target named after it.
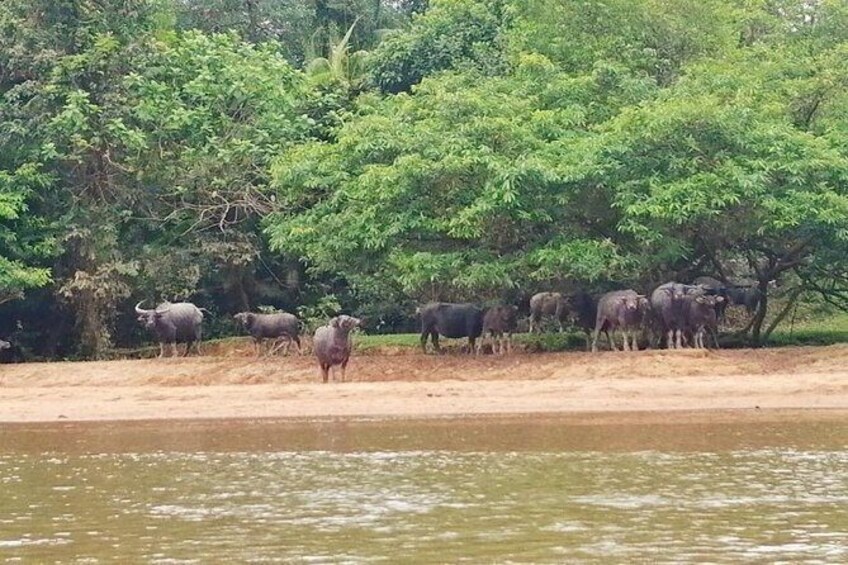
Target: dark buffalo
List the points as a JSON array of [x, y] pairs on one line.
[[450, 320], [277, 326], [500, 322], [668, 305], [547, 304], [747, 296], [179, 322], [623, 311], [715, 287], [700, 317], [584, 311], [332, 344]]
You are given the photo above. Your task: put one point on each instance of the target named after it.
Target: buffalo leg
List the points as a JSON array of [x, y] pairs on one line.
[[344, 369], [325, 373], [434, 337], [424, 336], [611, 340], [278, 344]]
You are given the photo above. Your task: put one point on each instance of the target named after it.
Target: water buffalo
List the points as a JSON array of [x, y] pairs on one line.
[[498, 321], [715, 287], [277, 326], [668, 304], [450, 320], [332, 344], [547, 304], [620, 310], [701, 317], [747, 296], [584, 310], [179, 322]]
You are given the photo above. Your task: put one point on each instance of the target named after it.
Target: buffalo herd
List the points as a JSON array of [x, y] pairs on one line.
[[673, 315]]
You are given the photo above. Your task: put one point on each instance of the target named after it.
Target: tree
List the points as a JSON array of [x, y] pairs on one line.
[[710, 174], [655, 37], [646, 154], [25, 241], [154, 149], [455, 190], [341, 67], [300, 29], [450, 35]]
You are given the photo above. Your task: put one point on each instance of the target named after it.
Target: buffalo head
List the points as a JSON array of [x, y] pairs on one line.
[[148, 318], [244, 318], [345, 322]]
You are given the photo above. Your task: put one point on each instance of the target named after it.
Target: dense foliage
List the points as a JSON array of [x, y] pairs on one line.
[[367, 155]]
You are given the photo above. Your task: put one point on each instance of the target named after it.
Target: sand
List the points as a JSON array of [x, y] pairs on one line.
[[791, 383]]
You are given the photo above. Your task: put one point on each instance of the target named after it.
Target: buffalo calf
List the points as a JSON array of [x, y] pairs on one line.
[[701, 318], [499, 322], [547, 304]]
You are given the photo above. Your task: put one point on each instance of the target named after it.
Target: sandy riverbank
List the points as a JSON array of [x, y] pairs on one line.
[[735, 383]]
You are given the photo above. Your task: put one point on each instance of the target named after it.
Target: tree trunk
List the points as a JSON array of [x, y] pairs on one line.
[[252, 20], [760, 316], [793, 298]]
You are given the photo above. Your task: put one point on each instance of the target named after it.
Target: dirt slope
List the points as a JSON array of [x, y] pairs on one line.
[[379, 385]]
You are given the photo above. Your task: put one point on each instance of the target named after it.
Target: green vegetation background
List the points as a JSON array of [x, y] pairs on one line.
[[365, 156]]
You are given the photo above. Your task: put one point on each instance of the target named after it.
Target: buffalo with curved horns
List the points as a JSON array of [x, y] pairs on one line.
[[179, 322]]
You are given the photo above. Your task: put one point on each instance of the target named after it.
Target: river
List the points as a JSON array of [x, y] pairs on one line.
[[522, 490]]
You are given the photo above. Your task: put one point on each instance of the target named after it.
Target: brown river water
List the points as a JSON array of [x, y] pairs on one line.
[[533, 489]]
